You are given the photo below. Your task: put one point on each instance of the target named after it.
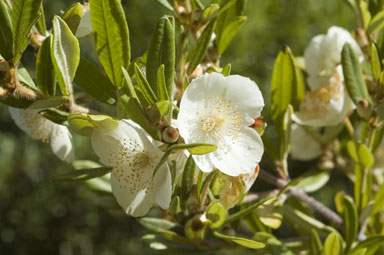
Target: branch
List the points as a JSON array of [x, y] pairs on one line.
[[300, 194]]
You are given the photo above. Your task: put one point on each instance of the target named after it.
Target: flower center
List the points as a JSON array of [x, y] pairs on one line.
[[141, 160]]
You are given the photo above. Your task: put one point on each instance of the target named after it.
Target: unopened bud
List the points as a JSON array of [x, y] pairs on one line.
[[170, 135], [196, 226], [364, 109]]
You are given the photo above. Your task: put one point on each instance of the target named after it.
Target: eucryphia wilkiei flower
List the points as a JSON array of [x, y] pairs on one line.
[[303, 146], [38, 127], [327, 103], [132, 155], [219, 110]]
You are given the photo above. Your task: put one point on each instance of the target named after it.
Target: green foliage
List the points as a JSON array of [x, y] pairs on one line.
[[45, 73], [6, 36]]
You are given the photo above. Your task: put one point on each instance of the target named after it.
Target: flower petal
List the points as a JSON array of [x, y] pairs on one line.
[[303, 146], [162, 191], [61, 143]]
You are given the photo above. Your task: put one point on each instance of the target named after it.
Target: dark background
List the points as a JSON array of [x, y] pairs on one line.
[[38, 216]]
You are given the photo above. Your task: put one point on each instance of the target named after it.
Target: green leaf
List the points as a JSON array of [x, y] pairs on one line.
[[175, 207], [49, 102], [84, 124], [269, 215], [92, 80], [316, 246], [130, 89], [379, 200], [45, 73], [375, 62], [24, 14], [55, 115], [65, 53], [25, 78], [353, 75], [144, 87], [371, 244], [351, 221], [313, 181], [251, 244], [162, 86], [41, 25], [6, 36], [226, 70], [83, 175], [376, 24], [165, 4], [188, 178], [201, 47], [217, 214], [366, 156], [17, 101], [72, 16], [332, 245], [287, 84], [210, 12], [366, 15], [162, 52], [229, 33], [156, 224], [112, 37]]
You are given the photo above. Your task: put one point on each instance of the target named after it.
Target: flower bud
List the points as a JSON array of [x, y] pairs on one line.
[[170, 135], [196, 226], [364, 109]]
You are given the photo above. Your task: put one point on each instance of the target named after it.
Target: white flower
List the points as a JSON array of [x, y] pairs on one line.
[[85, 25], [303, 146], [219, 110], [325, 106], [133, 156], [38, 127], [323, 54]]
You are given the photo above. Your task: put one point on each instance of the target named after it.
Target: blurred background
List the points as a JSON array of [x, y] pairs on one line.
[[39, 216]]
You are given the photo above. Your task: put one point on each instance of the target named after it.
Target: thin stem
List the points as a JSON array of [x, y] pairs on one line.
[[300, 194]]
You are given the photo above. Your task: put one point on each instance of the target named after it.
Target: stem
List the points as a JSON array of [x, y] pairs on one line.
[[300, 194]]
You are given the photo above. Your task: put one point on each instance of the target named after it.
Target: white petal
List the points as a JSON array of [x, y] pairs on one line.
[[303, 146], [162, 190], [61, 143], [85, 25]]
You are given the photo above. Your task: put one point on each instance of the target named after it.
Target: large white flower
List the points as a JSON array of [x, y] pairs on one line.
[[219, 110], [323, 55], [85, 25], [38, 127], [133, 156], [325, 106], [303, 146]]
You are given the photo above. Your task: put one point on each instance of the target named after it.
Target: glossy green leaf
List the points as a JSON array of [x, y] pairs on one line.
[[188, 177], [269, 215], [375, 62], [365, 14], [217, 214], [313, 181], [112, 37], [49, 102], [376, 24], [93, 81], [161, 85], [144, 87], [229, 33], [84, 124], [25, 78], [226, 70], [366, 156], [83, 175], [55, 115], [201, 47], [210, 12], [251, 244], [353, 76], [45, 73], [130, 89], [72, 16], [24, 14], [352, 151], [17, 101], [351, 221], [162, 52], [41, 25], [332, 245], [65, 53], [156, 224], [6, 36], [165, 4]]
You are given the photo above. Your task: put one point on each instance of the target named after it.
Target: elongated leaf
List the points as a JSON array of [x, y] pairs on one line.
[[24, 14], [287, 84], [379, 200], [162, 52], [155, 224], [6, 36], [94, 82], [112, 37], [65, 52], [41, 25], [226, 70], [366, 156], [375, 62], [188, 177], [201, 47], [377, 23], [130, 90], [25, 78], [49, 102], [83, 175], [45, 73], [332, 245], [165, 4], [241, 241], [72, 16], [351, 221], [229, 33], [370, 244], [353, 75], [161, 85], [55, 115], [144, 87]]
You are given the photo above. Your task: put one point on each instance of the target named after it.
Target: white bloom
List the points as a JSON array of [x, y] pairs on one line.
[[85, 25], [219, 110], [323, 54], [38, 127], [303, 146], [133, 156], [325, 106]]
